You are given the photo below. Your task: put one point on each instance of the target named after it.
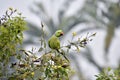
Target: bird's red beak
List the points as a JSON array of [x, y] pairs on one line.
[[62, 33]]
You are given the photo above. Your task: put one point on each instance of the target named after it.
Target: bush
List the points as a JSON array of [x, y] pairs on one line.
[[109, 74], [19, 64], [11, 34]]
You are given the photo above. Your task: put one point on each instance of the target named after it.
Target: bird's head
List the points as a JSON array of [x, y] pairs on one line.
[[59, 33]]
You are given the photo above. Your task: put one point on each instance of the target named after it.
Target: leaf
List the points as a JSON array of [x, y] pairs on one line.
[[40, 49]]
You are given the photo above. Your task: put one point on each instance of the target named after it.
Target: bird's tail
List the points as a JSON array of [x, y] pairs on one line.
[[63, 54]]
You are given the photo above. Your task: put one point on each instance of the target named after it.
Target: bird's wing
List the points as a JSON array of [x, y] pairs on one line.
[[57, 43], [54, 42]]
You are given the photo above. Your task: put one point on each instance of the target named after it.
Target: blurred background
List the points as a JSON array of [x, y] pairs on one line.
[[80, 16]]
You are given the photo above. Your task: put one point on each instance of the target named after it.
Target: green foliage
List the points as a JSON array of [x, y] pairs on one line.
[[109, 74], [11, 29], [54, 67], [49, 66], [12, 26]]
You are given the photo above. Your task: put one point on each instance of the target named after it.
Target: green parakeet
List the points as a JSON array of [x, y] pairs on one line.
[[54, 42]]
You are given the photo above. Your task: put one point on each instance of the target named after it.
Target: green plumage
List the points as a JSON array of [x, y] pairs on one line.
[[54, 42]]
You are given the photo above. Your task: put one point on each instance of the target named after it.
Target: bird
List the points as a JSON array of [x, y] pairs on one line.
[[54, 42]]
